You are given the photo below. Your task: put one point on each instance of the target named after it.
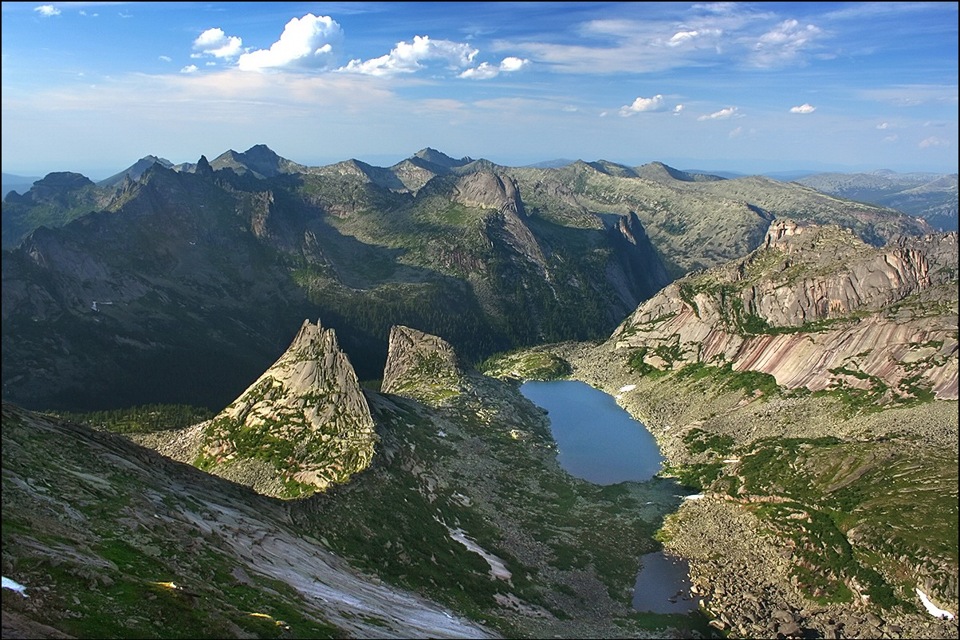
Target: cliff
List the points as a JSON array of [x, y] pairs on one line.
[[814, 307]]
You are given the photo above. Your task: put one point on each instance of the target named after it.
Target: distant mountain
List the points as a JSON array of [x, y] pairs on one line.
[[930, 196], [550, 164], [52, 201], [259, 161], [20, 184], [134, 171]]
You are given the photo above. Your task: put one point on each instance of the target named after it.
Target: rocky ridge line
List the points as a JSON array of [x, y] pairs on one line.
[[816, 308]]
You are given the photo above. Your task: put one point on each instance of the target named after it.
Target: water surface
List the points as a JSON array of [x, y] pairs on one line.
[[598, 441]]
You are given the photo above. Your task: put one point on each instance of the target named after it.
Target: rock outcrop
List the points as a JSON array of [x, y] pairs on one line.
[[815, 307], [302, 426], [420, 365]]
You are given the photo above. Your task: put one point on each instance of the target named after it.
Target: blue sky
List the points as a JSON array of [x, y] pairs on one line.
[[750, 87]]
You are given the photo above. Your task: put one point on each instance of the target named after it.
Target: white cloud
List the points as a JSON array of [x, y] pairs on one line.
[[736, 133], [47, 10], [723, 114], [483, 72], [511, 63], [804, 108], [305, 42], [190, 68], [214, 42], [677, 109], [932, 142], [783, 44], [641, 105], [685, 37], [892, 138], [883, 125], [407, 57], [166, 58], [486, 70]]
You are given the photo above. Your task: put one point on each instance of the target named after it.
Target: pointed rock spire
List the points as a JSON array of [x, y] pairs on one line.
[[203, 167], [303, 425]]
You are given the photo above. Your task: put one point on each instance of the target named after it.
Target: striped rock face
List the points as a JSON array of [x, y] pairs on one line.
[[815, 308]]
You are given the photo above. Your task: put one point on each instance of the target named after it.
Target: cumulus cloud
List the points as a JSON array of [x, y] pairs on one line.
[[641, 105], [214, 42], [305, 42], [883, 125], [783, 44], [190, 68], [723, 114], [47, 10], [677, 109], [804, 108], [486, 70], [407, 57], [166, 58]]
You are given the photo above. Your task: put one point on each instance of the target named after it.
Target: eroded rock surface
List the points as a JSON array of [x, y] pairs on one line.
[[816, 308], [303, 425]]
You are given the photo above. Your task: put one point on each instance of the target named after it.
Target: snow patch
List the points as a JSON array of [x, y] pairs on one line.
[[934, 610], [15, 586], [497, 568]]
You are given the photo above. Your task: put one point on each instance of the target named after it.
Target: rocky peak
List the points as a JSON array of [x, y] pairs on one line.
[[303, 425], [489, 191], [63, 180], [418, 361], [441, 159], [203, 167]]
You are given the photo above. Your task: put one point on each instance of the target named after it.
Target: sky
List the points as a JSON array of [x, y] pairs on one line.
[[92, 87]]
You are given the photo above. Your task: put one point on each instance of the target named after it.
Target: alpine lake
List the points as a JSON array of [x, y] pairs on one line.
[[601, 443]]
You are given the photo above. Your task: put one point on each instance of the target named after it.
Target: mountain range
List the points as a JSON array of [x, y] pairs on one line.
[[224, 259], [930, 196], [377, 472]]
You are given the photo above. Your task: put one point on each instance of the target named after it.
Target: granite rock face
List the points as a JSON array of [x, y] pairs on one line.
[[303, 425], [418, 360], [815, 307]]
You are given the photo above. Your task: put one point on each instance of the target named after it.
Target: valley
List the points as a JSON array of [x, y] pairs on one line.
[[353, 339]]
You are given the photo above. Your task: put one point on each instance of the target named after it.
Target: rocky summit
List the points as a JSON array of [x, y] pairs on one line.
[[303, 425]]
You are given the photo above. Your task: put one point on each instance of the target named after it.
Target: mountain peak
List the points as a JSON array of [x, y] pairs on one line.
[[441, 159], [301, 426], [134, 171], [259, 160], [660, 172]]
